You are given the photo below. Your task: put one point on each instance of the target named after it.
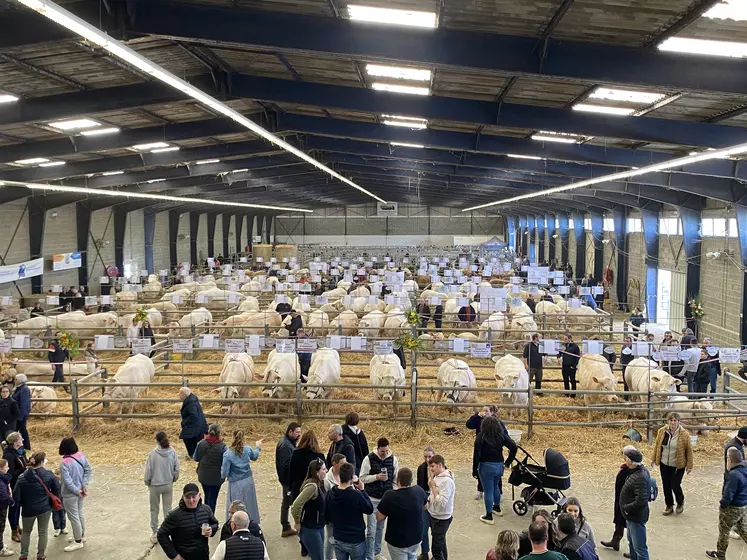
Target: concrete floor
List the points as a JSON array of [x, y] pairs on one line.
[[117, 517]]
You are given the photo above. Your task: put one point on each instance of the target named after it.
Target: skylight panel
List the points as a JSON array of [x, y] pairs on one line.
[[603, 109], [7, 98], [704, 47], [100, 131], [74, 124], [729, 9], [389, 15], [399, 88], [399, 72], [627, 96]]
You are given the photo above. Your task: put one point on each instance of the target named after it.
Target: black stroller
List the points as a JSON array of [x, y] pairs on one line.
[[545, 485]]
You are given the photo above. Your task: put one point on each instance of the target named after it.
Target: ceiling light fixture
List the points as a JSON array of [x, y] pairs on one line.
[[31, 161], [97, 37], [147, 196], [633, 172], [149, 146], [399, 72], [242, 170], [389, 15], [550, 138], [99, 131], [704, 46], [604, 109], [7, 98], [74, 124], [521, 156], [729, 9], [407, 122], [398, 88], [163, 150], [626, 95], [206, 161], [52, 164], [407, 145], [150, 181], [110, 173]]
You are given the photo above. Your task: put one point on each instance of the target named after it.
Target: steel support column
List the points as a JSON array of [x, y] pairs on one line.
[[173, 238], [550, 219], [120, 224], [511, 229], [37, 215], [597, 234], [540, 220], [268, 229], [211, 219], [194, 226], [691, 223], [579, 235], [226, 230], [620, 219], [260, 227], [650, 219], [532, 227], [149, 223], [82, 227], [239, 220], [522, 236], [565, 237]]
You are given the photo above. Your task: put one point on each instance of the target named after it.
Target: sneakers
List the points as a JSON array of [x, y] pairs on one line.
[[153, 539], [732, 534], [73, 547], [497, 510], [16, 535], [487, 519], [289, 532], [478, 496], [64, 531], [7, 552], [679, 508], [72, 539], [715, 554], [57, 532], [668, 511]]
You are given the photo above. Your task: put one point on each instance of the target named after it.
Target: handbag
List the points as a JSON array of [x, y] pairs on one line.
[[54, 501]]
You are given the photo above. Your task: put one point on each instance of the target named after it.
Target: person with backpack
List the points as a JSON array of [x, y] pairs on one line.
[[639, 489]]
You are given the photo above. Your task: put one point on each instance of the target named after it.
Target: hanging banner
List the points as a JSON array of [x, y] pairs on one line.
[[64, 261], [28, 269]]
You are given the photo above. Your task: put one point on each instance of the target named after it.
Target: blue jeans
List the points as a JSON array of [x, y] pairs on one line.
[[313, 540], [58, 519], [637, 541], [211, 496], [374, 532], [407, 553], [714, 380], [490, 475], [424, 545], [329, 543], [350, 551], [690, 381]]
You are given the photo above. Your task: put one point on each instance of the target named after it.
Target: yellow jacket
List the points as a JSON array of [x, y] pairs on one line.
[[684, 452]]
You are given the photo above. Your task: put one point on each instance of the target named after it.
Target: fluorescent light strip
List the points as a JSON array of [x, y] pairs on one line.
[[74, 124], [76, 25], [561, 139], [704, 47], [399, 72], [670, 164], [150, 146], [520, 156], [110, 173], [52, 164], [206, 161], [146, 196], [407, 145], [99, 131], [407, 124], [150, 181], [392, 16], [163, 150], [626, 95], [31, 161], [243, 170], [7, 98], [604, 109], [398, 88]]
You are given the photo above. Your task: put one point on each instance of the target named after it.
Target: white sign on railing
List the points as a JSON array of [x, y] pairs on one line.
[[549, 347], [729, 356], [285, 345], [357, 342], [5, 345], [104, 342], [459, 344], [182, 346], [20, 341], [141, 346], [234, 345], [641, 348], [306, 345], [592, 346], [383, 347], [480, 350], [92, 300], [53, 300], [335, 341], [7, 300], [668, 353], [209, 341]]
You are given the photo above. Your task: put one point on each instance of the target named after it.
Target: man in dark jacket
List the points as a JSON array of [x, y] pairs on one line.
[[634, 498], [571, 356], [340, 444], [243, 544], [56, 356], [283, 452], [422, 481], [32, 498], [194, 425], [733, 506], [184, 532], [356, 435], [22, 395], [626, 356], [574, 546], [738, 441], [533, 361], [296, 323], [345, 506]]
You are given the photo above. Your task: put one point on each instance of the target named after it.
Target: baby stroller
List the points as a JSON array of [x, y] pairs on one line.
[[545, 485]]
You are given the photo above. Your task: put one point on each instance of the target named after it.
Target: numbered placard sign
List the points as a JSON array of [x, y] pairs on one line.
[[209, 341], [593, 346], [5, 345], [729, 356], [182, 346], [285, 345], [104, 342], [234, 345], [549, 347], [53, 300], [480, 350], [383, 347], [141, 346], [306, 345]]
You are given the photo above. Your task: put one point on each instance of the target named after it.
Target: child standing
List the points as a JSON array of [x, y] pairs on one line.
[[6, 500], [59, 522]]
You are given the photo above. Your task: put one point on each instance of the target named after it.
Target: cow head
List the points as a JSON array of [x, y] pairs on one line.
[[272, 378], [227, 393], [389, 393], [506, 381], [604, 383], [314, 392]]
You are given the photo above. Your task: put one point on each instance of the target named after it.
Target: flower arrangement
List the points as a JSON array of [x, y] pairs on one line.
[[696, 308], [412, 317], [408, 342], [70, 343], [141, 315]]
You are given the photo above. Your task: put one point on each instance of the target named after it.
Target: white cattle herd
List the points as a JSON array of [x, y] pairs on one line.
[[236, 301]]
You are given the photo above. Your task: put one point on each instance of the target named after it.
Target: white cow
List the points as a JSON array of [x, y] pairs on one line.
[[82, 325], [39, 392], [465, 336], [457, 374], [250, 303], [36, 370], [137, 369], [371, 324], [324, 369], [644, 375], [510, 373], [238, 369], [582, 318], [317, 324], [347, 320], [255, 323], [198, 318], [496, 324], [521, 310], [594, 374], [252, 288], [394, 323], [184, 293], [402, 301], [155, 318], [360, 291], [335, 294], [692, 411], [219, 299], [554, 315], [387, 372], [298, 305], [410, 286], [523, 327], [280, 368], [36, 326]]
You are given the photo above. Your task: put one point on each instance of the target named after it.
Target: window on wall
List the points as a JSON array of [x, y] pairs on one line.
[[719, 227], [670, 226], [635, 225], [733, 230], [571, 224], [609, 224], [557, 223], [587, 224]]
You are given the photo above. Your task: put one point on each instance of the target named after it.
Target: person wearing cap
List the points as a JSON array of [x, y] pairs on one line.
[[634, 498], [733, 506], [22, 395], [184, 533]]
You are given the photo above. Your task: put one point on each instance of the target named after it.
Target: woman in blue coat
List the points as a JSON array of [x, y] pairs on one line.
[[236, 469]]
